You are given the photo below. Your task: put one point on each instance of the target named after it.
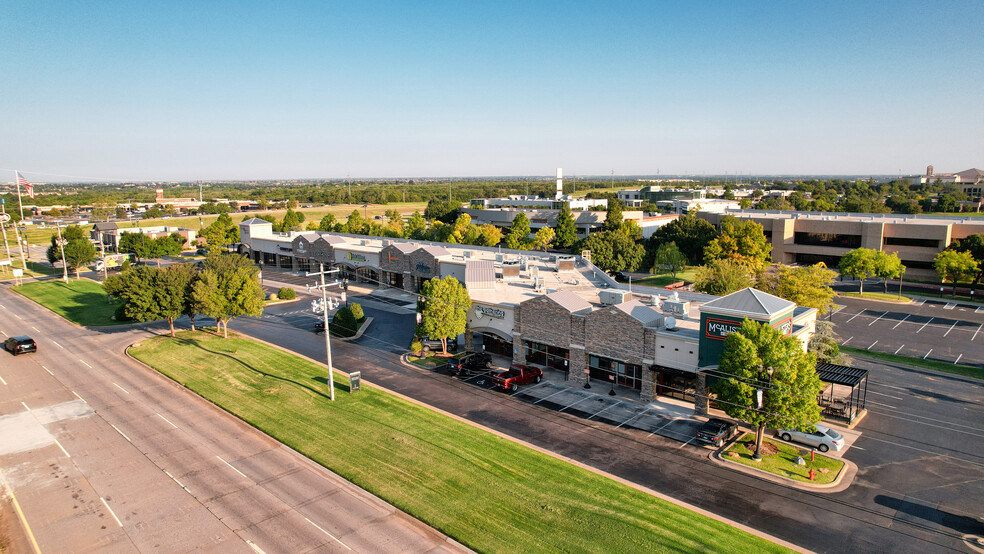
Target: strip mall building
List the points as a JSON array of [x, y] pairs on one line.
[[555, 311]]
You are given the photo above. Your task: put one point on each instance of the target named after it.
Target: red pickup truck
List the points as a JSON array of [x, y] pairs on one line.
[[517, 375]]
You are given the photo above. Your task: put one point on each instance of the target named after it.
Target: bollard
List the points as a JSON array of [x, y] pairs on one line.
[[812, 474], [813, 455]]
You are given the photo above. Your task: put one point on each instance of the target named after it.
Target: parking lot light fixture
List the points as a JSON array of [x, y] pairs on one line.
[[761, 427]]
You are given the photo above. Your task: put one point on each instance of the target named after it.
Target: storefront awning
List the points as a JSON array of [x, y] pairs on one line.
[[840, 374]]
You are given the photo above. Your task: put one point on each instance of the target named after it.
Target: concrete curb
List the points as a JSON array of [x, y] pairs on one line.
[[844, 479], [362, 329]]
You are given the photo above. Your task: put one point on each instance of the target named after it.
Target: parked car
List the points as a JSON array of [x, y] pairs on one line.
[[469, 362], [319, 326], [20, 345], [823, 439], [716, 431], [202, 251], [621, 276], [517, 375], [428, 344]]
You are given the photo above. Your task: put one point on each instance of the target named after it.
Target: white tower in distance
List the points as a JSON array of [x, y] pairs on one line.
[[560, 183]]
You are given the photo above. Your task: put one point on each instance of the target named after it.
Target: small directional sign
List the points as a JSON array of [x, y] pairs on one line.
[[355, 381]]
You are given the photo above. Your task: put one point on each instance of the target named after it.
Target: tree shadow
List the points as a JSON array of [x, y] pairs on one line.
[[962, 524]]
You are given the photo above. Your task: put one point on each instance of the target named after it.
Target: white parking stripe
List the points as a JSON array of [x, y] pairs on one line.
[[901, 320], [928, 353], [888, 395], [578, 402], [605, 408], [977, 331], [633, 417], [872, 344], [876, 319], [549, 395], [688, 442], [900, 348], [855, 315], [660, 428], [958, 359], [950, 329], [924, 325], [847, 341]]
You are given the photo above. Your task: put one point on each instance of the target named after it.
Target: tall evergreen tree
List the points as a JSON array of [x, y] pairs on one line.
[[566, 234]]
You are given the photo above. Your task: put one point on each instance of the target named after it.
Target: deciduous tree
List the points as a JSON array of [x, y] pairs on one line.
[[742, 241], [668, 258], [951, 266], [887, 266], [445, 309], [690, 233], [858, 263], [519, 233], [722, 277], [543, 237], [806, 286], [613, 251]]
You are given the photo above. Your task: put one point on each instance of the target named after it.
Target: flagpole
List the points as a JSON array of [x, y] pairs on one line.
[[20, 246], [3, 227], [20, 205]]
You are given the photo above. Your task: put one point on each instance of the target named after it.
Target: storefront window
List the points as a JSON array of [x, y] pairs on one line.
[[628, 375], [494, 344], [550, 356]]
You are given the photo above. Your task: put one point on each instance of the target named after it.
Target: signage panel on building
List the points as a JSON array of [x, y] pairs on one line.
[[356, 257], [423, 268], [718, 329], [488, 311]]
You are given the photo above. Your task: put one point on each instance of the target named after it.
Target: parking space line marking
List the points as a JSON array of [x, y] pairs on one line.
[[605, 408], [85, 364], [847, 341], [58, 345], [120, 432], [872, 344], [854, 316], [900, 348], [541, 383], [924, 325], [121, 388], [949, 306], [633, 417], [549, 395], [688, 442], [928, 353], [4, 334], [876, 319], [230, 465], [67, 455], [958, 359], [950, 329], [893, 387], [111, 511], [888, 395], [660, 428], [168, 421], [901, 320], [327, 533], [578, 402], [977, 331], [978, 310]]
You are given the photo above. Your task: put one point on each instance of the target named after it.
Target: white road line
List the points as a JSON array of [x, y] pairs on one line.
[[633, 417], [85, 364], [35, 328], [958, 359], [924, 325], [230, 465], [168, 422], [854, 316], [605, 408], [928, 353], [688, 442], [888, 395], [58, 345], [872, 344], [977, 331], [120, 432], [19, 317], [121, 388], [847, 341], [660, 428], [950, 329], [255, 548], [949, 306], [549, 395], [893, 387], [2, 381], [4, 334], [901, 320], [876, 319], [77, 396], [540, 384], [578, 402], [67, 455], [900, 348], [111, 512], [25, 406], [48, 370], [327, 533]]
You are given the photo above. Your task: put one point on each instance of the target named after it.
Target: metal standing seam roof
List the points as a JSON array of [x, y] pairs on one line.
[[256, 221], [479, 274], [109, 226], [750, 301], [436, 251], [841, 374], [404, 247], [640, 311], [569, 301]]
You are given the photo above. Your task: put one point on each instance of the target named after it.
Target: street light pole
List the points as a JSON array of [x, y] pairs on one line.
[[760, 432], [324, 303], [901, 278], [61, 246]]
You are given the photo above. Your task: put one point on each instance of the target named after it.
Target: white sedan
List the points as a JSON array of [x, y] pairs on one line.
[[823, 439]]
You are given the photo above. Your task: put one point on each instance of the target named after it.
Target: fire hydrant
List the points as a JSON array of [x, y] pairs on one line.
[[812, 474]]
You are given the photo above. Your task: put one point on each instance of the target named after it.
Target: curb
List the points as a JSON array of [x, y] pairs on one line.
[[362, 329], [844, 479]]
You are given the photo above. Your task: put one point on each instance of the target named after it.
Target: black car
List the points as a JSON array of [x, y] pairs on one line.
[[319, 326], [621, 276], [434, 345], [20, 344], [469, 362], [716, 431]]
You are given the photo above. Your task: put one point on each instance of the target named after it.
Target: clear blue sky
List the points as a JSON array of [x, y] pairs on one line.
[[241, 90]]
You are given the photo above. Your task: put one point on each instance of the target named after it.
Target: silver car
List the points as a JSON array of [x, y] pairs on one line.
[[823, 439]]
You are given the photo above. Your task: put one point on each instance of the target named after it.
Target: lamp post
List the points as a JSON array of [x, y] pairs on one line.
[[901, 278], [761, 428], [61, 246]]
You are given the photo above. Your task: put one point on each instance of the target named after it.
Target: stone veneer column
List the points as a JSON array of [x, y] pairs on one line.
[[648, 391], [469, 340], [578, 364], [408, 282], [519, 351], [293, 264], [700, 394]]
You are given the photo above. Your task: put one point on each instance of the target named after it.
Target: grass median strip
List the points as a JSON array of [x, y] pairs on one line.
[[780, 458], [956, 369], [485, 491], [80, 301]]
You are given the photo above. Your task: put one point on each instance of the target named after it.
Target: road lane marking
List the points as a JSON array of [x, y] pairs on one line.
[[67, 455], [2, 381], [25, 406], [327, 533], [924, 325], [847, 341], [79, 397], [255, 548], [175, 479], [20, 514], [4, 334], [888, 395], [58, 345], [120, 432], [928, 353], [901, 320], [876, 319], [900, 348], [35, 328], [958, 359], [950, 329], [230, 465], [168, 421], [48, 370], [85, 364], [854, 316], [111, 512], [893, 387], [19, 317], [121, 388], [872, 344]]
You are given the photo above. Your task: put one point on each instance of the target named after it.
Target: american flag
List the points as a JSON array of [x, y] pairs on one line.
[[22, 181]]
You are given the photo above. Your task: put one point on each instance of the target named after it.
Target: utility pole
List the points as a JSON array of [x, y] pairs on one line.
[[324, 304], [61, 246], [613, 179]]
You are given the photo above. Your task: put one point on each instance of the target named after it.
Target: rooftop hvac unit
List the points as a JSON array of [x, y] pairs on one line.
[[468, 253], [613, 296], [676, 307], [386, 243], [538, 284], [364, 242], [510, 269], [499, 258], [565, 263]]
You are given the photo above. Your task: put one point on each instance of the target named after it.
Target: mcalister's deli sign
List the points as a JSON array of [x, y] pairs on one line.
[[718, 329]]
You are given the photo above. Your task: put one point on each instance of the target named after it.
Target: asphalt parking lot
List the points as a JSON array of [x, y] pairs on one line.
[[929, 329]]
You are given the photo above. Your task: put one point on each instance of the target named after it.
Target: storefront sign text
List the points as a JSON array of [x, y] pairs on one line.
[[356, 257], [488, 311]]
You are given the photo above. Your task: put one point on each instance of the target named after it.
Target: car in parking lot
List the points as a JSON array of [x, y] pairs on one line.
[[20, 344], [823, 439], [469, 362], [517, 375], [716, 431], [428, 344]]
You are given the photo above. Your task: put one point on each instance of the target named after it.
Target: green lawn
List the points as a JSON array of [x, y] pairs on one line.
[[487, 492], [80, 301], [666, 279], [34, 269], [965, 370], [879, 296], [783, 463]]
